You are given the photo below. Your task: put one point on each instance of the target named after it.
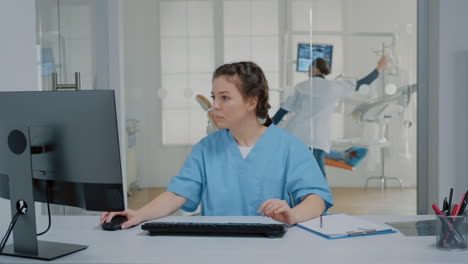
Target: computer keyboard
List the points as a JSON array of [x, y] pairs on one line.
[[216, 226]]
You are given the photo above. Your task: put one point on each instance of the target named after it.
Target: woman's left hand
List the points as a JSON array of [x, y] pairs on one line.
[[279, 210]]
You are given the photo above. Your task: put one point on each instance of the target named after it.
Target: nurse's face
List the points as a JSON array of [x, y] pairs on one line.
[[230, 108]]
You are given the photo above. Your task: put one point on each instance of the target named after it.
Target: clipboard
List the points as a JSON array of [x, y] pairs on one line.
[[338, 226]]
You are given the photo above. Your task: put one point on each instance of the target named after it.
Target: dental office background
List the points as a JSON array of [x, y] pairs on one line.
[[158, 55], [190, 38]]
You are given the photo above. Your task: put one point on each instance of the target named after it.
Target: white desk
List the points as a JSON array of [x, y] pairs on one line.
[[297, 246]]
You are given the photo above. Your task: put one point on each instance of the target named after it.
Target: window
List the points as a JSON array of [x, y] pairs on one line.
[[187, 62], [187, 57]]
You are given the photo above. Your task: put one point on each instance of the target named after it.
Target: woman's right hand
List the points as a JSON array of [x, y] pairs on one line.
[[133, 218], [163, 205]]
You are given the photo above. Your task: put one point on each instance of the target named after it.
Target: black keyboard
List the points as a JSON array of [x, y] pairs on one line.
[[216, 229]]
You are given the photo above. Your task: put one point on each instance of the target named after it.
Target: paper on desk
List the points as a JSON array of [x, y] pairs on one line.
[[340, 225]]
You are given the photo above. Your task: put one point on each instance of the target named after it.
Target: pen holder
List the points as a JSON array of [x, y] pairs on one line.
[[452, 232]]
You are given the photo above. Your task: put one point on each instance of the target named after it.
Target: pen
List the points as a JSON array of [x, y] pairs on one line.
[[454, 213], [445, 205], [320, 221], [436, 209], [450, 201], [443, 231], [462, 204], [455, 210], [363, 232], [459, 210], [457, 235]]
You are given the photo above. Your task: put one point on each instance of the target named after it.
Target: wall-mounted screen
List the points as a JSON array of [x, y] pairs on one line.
[[304, 58]]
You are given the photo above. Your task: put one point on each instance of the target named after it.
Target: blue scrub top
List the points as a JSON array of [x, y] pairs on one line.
[[216, 174]]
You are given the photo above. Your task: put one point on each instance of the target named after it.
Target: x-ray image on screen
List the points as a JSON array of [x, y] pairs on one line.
[[304, 58]]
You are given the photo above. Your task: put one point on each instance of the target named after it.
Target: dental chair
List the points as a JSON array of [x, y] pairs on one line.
[[338, 164]]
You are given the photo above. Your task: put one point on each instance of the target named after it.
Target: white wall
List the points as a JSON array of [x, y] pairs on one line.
[[18, 70], [443, 64], [453, 98]]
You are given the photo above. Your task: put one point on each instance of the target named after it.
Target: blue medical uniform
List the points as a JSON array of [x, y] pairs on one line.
[[216, 174]]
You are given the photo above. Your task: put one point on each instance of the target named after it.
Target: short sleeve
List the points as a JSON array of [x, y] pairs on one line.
[[190, 180], [304, 176]]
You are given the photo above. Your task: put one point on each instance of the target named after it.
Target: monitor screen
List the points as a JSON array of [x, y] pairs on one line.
[[60, 147], [304, 59]]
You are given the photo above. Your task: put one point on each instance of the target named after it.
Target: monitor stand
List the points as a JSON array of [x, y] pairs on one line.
[[45, 250], [20, 174]]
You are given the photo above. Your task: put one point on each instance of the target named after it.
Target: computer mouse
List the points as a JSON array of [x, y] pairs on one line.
[[115, 223]]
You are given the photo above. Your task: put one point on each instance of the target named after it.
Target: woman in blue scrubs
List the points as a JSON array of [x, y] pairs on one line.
[[248, 167]]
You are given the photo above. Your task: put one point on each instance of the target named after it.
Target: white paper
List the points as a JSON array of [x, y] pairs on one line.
[[337, 225]]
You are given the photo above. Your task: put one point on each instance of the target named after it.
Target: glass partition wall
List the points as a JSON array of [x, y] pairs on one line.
[[171, 48], [66, 34], [380, 117], [70, 37]]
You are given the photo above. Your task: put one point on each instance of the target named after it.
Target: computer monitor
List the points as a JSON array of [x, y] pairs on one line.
[[304, 58], [61, 147]]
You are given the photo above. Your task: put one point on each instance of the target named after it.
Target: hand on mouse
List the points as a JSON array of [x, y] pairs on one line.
[[133, 218]]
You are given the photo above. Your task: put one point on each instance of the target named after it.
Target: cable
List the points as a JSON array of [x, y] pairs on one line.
[[48, 212], [21, 208], [10, 228]]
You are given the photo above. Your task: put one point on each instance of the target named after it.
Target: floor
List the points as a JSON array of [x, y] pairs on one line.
[[392, 201], [354, 201]]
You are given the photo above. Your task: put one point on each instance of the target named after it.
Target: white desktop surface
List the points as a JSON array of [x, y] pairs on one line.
[[297, 246]]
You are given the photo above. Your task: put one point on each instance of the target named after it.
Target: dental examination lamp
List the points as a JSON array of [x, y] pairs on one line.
[[378, 111], [382, 108]]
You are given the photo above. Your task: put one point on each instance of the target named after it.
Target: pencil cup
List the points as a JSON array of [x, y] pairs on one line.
[[452, 232]]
